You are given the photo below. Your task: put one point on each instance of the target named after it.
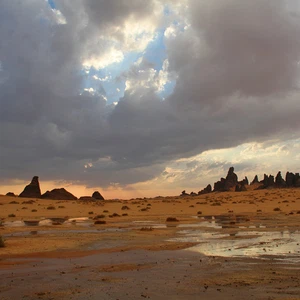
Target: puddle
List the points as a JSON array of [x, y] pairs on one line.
[[86, 222], [282, 245]]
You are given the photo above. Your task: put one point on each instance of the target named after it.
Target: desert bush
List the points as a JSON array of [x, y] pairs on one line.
[[125, 207], [61, 206], [171, 219], [14, 202], [199, 213], [2, 244], [33, 210], [99, 217], [147, 229], [277, 209], [11, 215], [91, 212], [51, 208], [99, 222]]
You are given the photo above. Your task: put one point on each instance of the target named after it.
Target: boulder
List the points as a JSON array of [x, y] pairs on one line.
[[58, 194], [96, 195], [32, 190]]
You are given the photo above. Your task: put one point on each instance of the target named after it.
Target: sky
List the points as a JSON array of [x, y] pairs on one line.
[[145, 98]]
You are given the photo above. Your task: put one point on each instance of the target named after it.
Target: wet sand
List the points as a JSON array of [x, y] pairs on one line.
[[140, 255]]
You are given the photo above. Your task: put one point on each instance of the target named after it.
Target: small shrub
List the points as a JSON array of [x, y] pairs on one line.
[[124, 215], [91, 212], [125, 207], [114, 215], [51, 208], [61, 206], [99, 217], [277, 209], [147, 229], [105, 211], [24, 207], [99, 222], [14, 202], [199, 213], [171, 219], [2, 244], [33, 210], [11, 215]]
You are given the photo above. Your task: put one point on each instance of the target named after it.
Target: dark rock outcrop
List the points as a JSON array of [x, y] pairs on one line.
[[255, 180], [184, 194], [32, 190], [58, 194], [279, 181], [292, 180], [240, 188], [245, 181], [96, 195], [226, 184], [10, 194], [267, 183], [206, 190]]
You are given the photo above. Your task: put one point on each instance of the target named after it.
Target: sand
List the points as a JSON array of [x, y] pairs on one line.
[[118, 260]]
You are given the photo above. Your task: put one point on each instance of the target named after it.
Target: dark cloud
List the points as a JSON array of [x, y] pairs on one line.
[[236, 65]]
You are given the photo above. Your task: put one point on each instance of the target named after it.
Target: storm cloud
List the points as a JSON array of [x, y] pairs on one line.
[[235, 65]]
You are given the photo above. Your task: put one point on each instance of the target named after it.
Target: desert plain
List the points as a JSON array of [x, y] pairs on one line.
[[224, 245]]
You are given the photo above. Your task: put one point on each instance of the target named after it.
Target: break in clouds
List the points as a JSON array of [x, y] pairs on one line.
[[234, 65]]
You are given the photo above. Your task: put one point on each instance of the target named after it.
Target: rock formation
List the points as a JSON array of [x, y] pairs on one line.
[[96, 195], [226, 184], [240, 188], [244, 181], [32, 190], [292, 180], [255, 180], [10, 194], [279, 181], [206, 190], [183, 194], [58, 194]]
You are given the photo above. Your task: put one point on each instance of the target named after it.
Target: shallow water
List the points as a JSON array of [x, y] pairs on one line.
[[255, 244]]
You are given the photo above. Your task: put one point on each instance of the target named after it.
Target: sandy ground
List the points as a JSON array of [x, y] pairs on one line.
[[118, 260]]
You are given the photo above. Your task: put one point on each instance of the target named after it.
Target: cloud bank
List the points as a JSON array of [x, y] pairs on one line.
[[235, 65]]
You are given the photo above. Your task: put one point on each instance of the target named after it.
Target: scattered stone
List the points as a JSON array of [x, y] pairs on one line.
[[32, 190]]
